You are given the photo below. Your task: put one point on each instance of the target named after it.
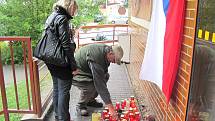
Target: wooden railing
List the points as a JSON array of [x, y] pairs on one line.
[[31, 85]]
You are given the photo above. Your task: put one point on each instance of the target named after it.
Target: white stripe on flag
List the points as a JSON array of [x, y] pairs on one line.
[[152, 67]]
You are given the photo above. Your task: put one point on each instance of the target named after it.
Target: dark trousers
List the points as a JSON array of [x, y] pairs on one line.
[[61, 96], [88, 92]]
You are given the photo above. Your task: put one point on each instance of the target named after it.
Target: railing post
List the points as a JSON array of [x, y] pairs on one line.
[[30, 62], [78, 40], [113, 34], [3, 92], [37, 88], [26, 74], [14, 74]]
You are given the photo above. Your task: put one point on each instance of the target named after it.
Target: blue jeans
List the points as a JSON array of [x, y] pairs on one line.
[[61, 98]]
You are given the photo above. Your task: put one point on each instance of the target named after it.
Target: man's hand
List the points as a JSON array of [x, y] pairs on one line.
[[75, 72], [112, 111]]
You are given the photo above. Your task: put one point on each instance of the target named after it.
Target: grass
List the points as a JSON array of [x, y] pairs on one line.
[[45, 85], [11, 99]]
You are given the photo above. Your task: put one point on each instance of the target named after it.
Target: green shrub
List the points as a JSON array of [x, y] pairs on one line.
[[6, 53]]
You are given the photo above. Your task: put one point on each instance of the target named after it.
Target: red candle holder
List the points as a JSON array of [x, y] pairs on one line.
[[117, 106], [107, 116], [110, 118], [132, 104], [104, 113], [135, 109], [126, 114], [130, 110], [132, 97], [137, 116], [122, 104], [106, 108], [122, 117], [131, 117]]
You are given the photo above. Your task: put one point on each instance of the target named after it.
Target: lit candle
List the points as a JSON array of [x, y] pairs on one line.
[[117, 106]]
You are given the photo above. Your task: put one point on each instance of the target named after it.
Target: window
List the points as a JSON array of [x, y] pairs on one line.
[[201, 106]]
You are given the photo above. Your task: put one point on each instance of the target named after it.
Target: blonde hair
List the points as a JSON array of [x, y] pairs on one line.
[[66, 4]]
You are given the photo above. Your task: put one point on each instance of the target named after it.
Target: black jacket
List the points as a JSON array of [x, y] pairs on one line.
[[60, 20]]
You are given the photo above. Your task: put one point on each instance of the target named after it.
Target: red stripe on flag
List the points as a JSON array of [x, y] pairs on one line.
[[172, 45]]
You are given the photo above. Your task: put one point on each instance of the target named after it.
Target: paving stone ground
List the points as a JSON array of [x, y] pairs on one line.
[[118, 86]]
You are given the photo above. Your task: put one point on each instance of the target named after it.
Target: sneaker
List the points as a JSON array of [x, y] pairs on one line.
[[95, 104], [82, 111]]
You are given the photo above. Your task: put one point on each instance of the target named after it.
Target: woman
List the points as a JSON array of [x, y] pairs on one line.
[[63, 11]]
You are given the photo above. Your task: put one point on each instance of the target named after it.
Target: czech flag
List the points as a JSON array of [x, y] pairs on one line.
[[161, 58]]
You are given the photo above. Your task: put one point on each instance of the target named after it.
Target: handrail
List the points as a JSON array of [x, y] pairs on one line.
[[86, 34], [104, 26], [14, 38]]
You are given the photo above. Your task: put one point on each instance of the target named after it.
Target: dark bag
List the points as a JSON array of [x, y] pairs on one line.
[[49, 48]]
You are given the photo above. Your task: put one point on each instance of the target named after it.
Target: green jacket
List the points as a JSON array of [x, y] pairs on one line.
[[94, 53]]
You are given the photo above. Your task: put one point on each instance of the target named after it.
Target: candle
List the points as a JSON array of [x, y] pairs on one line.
[[104, 113], [126, 116], [137, 116], [132, 105], [122, 104], [132, 98], [125, 102], [96, 116], [122, 117], [117, 106], [135, 109], [110, 118], [130, 110], [131, 117], [106, 108]]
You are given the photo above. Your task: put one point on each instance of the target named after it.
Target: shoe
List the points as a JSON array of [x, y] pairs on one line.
[[95, 104], [82, 111]]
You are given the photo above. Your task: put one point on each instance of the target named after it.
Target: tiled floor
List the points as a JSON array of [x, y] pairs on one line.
[[118, 86]]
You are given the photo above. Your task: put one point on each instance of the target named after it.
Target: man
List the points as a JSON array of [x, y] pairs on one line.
[[93, 61]]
